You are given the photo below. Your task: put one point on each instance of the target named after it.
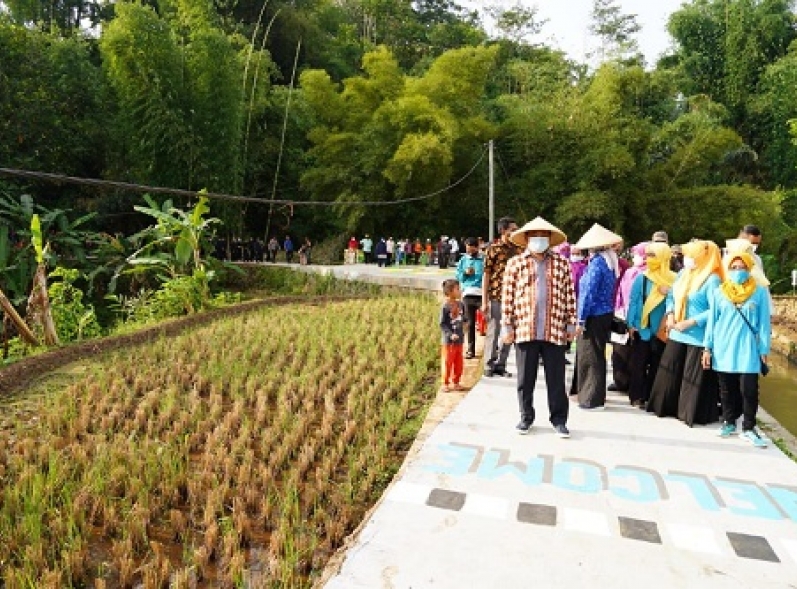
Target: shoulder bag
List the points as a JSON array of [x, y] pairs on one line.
[[764, 365]]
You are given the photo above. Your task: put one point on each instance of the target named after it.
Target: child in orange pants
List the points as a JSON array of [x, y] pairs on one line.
[[451, 317]]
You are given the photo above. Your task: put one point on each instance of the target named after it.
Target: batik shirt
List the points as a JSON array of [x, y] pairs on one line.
[[521, 296], [498, 254]]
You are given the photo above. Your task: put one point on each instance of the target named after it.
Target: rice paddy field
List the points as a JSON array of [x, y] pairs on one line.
[[237, 454]]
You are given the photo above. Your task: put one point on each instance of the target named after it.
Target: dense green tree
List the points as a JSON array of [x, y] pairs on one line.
[[387, 136], [178, 82], [725, 45], [52, 113], [772, 109], [615, 30]]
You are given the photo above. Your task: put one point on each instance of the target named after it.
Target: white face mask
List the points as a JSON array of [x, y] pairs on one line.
[[638, 260], [538, 245], [576, 258], [689, 263]]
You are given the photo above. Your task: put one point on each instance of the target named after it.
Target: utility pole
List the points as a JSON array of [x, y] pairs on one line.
[[492, 195]]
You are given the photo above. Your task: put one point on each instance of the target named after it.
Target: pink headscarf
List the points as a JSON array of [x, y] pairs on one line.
[[623, 298], [563, 249]]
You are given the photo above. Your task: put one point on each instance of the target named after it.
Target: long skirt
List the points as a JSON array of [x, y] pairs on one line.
[[682, 388], [590, 370], [621, 366]]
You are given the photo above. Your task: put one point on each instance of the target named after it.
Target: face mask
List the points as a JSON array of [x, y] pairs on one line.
[[739, 276], [576, 258], [638, 260], [654, 264], [537, 245], [689, 263]]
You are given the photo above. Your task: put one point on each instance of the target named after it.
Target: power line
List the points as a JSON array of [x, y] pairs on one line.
[[63, 179]]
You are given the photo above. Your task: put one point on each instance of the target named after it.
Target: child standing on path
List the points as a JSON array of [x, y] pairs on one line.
[[451, 316]]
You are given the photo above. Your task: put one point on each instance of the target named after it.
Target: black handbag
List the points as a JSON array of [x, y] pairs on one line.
[[764, 365], [619, 326]]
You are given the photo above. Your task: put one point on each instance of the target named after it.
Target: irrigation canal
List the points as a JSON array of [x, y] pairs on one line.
[[629, 500]]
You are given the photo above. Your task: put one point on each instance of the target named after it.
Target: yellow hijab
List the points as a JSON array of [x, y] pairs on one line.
[[660, 274], [739, 293], [708, 261], [743, 245]]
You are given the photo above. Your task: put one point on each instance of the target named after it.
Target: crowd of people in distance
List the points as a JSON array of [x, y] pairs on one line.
[[255, 250], [444, 252], [689, 324]]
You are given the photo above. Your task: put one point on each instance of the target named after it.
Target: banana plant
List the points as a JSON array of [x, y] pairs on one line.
[[39, 310], [176, 240]]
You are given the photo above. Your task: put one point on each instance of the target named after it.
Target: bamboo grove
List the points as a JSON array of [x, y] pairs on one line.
[[352, 100]]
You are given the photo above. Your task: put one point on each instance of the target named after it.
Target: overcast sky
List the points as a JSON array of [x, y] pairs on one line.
[[568, 23]]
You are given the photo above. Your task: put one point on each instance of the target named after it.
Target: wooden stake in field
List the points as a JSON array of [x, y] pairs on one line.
[[19, 322]]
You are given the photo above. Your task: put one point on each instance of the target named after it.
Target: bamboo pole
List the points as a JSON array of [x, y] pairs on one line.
[[22, 327]]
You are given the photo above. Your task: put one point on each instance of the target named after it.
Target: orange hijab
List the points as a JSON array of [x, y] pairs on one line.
[[708, 261]]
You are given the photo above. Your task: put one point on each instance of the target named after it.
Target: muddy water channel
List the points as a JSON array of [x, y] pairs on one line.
[[779, 392]]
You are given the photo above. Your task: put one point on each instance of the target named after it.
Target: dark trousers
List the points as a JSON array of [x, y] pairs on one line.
[[590, 373], [621, 359], [472, 304], [496, 351], [288, 256], [739, 396], [367, 257], [644, 358], [528, 362]]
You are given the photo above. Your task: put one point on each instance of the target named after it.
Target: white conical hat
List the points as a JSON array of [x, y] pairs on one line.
[[597, 237], [521, 238]]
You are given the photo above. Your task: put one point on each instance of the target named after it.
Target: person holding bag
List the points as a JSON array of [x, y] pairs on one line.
[[736, 345], [647, 302], [681, 387]]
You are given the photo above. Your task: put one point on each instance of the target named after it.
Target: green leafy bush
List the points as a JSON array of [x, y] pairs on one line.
[[74, 319]]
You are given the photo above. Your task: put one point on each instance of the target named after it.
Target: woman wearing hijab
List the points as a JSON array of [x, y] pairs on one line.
[[682, 388], [736, 343], [647, 303], [621, 353], [595, 310]]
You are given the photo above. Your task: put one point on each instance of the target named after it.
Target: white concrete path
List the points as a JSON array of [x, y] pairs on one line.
[[630, 500]]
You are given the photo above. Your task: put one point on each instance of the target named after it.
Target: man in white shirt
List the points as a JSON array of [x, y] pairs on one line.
[[454, 250], [391, 248]]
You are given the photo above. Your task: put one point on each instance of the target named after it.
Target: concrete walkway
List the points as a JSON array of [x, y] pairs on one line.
[[630, 500]]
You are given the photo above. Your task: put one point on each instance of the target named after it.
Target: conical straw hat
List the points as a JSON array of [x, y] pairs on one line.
[[597, 237], [521, 238]]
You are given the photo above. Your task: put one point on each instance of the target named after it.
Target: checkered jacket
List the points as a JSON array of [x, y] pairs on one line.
[[519, 298]]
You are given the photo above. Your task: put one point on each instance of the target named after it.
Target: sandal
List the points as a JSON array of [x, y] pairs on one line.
[[446, 388]]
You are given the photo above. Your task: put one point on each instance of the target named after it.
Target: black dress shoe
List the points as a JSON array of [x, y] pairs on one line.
[[612, 387]]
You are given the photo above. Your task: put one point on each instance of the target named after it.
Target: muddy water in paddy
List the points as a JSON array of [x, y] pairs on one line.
[[779, 392]]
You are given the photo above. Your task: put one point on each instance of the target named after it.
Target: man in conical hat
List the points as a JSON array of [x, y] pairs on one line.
[[539, 316]]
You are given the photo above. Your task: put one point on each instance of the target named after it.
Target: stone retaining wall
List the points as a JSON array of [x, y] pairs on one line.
[[786, 306], [784, 328]]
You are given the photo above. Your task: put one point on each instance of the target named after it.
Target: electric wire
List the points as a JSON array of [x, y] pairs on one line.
[[112, 184]]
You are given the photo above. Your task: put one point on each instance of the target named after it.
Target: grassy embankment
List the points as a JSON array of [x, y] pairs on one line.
[[241, 452]]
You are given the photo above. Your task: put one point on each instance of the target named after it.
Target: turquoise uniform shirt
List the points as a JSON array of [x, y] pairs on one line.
[[696, 308], [734, 348], [471, 283], [640, 288]]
